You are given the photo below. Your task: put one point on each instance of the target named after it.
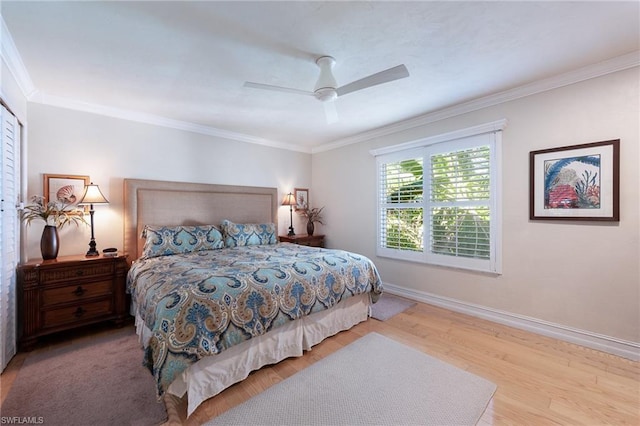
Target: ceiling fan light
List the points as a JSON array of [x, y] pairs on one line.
[[326, 94], [326, 78]]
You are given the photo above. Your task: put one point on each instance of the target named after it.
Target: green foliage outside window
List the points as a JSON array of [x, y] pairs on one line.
[[461, 232], [404, 220], [458, 181], [459, 196]]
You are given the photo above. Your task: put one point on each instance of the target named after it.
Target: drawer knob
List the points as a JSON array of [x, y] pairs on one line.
[[79, 291], [79, 272], [79, 312]]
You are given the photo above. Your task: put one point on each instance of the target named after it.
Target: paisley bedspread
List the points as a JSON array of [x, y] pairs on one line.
[[201, 303]]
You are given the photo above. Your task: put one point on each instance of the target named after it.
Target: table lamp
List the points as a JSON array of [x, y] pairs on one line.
[[92, 195], [290, 200]]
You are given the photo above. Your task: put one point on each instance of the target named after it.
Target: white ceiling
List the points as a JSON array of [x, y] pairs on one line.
[[186, 62]]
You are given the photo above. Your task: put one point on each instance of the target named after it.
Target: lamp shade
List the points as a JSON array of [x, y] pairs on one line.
[[289, 200], [92, 195]]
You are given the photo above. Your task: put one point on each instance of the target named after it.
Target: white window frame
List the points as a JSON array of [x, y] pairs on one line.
[[415, 256], [485, 134]]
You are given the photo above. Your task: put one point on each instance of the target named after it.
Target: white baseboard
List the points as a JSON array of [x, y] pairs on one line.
[[612, 345]]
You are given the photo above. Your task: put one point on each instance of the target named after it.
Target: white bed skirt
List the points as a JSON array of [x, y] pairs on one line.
[[210, 376]]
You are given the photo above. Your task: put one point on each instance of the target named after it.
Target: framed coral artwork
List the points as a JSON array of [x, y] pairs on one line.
[[577, 182], [66, 189]]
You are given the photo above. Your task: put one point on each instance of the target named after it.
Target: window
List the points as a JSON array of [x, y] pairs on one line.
[[438, 201]]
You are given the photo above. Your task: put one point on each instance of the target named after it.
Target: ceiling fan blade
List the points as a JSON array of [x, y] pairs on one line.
[[330, 112], [395, 73], [277, 88]]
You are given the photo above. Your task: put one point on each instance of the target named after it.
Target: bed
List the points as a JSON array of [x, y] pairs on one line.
[[216, 296]]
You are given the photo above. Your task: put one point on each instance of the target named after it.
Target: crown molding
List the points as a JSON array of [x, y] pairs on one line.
[[11, 57], [156, 120], [616, 64], [493, 126]]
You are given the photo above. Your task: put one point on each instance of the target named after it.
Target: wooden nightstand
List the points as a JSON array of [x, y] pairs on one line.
[[304, 240], [69, 292]]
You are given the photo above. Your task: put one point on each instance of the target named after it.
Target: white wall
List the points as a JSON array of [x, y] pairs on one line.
[[579, 275], [63, 141], [11, 93]]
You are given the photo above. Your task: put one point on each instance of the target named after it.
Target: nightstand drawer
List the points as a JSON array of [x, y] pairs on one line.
[[49, 276], [303, 240], [311, 243], [77, 313], [74, 292], [69, 292]]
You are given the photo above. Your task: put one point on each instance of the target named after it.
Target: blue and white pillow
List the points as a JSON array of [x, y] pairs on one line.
[[168, 240], [248, 234]]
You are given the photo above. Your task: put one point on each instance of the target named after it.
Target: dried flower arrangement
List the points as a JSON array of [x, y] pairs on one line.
[[312, 214], [53, 213]]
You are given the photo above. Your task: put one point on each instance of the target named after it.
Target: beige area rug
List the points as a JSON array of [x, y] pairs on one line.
[[389, 305], [95, 381], [372, 381]]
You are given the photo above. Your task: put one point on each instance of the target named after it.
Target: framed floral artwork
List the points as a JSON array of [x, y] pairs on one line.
[[65, 189], [577, 182], [302, 197]]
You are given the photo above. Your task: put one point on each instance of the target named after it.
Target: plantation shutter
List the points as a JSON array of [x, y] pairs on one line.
[[439, 199], [9, 233], [462, 203], [401, 210]]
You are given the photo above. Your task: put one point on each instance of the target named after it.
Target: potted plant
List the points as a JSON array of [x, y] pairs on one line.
[[313, 215], [55, 215]]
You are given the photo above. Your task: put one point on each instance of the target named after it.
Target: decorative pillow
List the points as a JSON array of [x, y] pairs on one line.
[[168, 240], [248, 234]]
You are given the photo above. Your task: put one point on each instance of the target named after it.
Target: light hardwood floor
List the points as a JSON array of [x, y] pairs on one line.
[[541, 381]]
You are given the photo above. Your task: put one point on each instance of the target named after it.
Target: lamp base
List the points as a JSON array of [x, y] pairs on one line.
[[92, 246], [291, 233]]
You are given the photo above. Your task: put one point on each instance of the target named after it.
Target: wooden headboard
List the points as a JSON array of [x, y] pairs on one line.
[[153, 202]]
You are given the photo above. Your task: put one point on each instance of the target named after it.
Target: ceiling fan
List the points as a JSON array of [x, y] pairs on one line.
[[326, 88]]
